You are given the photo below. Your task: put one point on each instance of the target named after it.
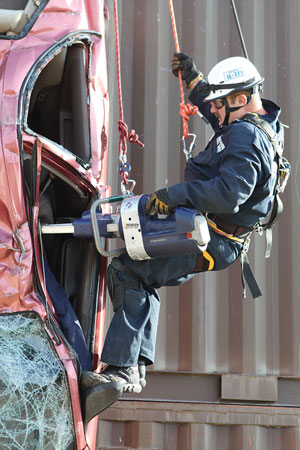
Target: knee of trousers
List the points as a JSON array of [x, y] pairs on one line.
[[119, 279]]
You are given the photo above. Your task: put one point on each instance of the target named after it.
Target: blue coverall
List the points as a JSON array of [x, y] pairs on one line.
[[233, 178]]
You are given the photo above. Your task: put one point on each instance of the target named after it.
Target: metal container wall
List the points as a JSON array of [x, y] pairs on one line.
[[205, 326]]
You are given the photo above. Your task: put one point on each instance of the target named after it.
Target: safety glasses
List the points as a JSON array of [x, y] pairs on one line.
[[218, 104]]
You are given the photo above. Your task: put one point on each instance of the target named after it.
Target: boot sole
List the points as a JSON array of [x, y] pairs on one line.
[[96, 399], [135, 388]]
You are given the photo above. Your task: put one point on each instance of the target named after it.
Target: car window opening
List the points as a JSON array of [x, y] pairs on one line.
[[58, 108]]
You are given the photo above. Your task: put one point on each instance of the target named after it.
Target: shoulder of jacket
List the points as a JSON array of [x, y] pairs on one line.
[[254, 128], [242, 123], [241, 128]]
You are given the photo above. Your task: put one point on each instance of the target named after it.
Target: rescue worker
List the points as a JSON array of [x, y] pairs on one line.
[[232, 181]]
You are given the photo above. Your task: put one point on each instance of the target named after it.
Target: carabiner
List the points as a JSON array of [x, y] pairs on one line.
[[124, 187], [188, 153]]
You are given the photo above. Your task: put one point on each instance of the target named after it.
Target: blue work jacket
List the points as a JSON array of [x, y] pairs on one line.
[[235, 175]]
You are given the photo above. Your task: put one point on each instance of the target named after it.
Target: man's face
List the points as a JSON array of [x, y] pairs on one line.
[[217, 107]]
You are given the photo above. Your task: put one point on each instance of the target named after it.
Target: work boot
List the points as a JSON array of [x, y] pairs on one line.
[[132, 378]]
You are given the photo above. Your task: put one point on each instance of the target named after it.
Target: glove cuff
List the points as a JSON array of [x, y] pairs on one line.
[[163, 195], [193, 78]]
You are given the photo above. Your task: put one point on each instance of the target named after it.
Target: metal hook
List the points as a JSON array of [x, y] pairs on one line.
[[124, 187], [188, 153]]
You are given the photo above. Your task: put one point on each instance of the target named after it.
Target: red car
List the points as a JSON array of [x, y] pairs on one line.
[[54, 124]]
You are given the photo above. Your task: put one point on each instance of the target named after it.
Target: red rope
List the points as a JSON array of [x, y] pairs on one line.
[[185, 110], [122, 126]]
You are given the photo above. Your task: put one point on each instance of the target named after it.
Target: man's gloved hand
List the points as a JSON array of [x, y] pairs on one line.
[[158, 202], [185, 63]]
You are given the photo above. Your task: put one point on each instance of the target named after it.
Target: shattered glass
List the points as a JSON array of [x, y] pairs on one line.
[[35, 406]]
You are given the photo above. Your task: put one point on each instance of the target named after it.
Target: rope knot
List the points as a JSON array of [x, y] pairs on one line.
[[186, 111], [134, 137], [123, 129]]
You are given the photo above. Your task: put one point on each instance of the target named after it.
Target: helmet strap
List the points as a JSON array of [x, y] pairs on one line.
[[229, 109]]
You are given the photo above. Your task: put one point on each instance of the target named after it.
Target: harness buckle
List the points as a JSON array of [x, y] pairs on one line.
[[246, 245], [259, 228], [284, 173]]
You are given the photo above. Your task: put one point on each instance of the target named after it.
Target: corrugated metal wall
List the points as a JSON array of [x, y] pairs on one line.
[[205, 326]]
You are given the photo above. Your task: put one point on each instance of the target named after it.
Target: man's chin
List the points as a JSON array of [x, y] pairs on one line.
[[219, 119]]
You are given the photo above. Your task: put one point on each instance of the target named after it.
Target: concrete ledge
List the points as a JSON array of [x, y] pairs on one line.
[[165, 412], [189, 387]]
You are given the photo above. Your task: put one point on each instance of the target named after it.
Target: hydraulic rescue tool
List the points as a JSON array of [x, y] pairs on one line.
[[185, 231]]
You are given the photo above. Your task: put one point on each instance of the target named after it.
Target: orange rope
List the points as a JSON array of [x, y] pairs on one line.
[[185, 110]]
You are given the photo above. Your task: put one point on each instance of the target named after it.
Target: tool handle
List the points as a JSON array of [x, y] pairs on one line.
[[97, 237]]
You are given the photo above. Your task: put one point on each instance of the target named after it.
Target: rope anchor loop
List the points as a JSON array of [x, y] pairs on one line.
[[188, 152], [124, 133]]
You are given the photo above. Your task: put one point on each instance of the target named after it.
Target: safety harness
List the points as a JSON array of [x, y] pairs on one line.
[[283, 173], [242, 234]]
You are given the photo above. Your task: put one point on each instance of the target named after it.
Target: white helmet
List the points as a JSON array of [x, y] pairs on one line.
[[233, 74]]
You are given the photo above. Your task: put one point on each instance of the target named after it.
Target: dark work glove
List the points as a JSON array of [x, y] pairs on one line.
[[158, 202], [185, 63]]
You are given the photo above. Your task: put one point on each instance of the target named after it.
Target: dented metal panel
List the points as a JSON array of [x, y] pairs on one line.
[[205, 326]]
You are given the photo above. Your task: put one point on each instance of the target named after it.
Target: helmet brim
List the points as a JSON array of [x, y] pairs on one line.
[[221, 93], [218, 94]]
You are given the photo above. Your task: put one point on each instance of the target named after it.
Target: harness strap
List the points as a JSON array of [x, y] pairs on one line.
[[246, 271], [234, 230], [249, 277], [267, 129], [269, 240]]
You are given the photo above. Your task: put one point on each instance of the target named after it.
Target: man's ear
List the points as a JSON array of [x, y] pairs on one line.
[[242, 99]]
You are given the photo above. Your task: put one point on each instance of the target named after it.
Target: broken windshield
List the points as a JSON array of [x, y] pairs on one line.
[[35, 406]]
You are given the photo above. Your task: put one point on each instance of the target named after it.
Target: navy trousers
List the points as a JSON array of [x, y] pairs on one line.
[[133, 329]]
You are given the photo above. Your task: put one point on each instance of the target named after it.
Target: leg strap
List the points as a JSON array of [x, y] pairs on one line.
[[249, 277]]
